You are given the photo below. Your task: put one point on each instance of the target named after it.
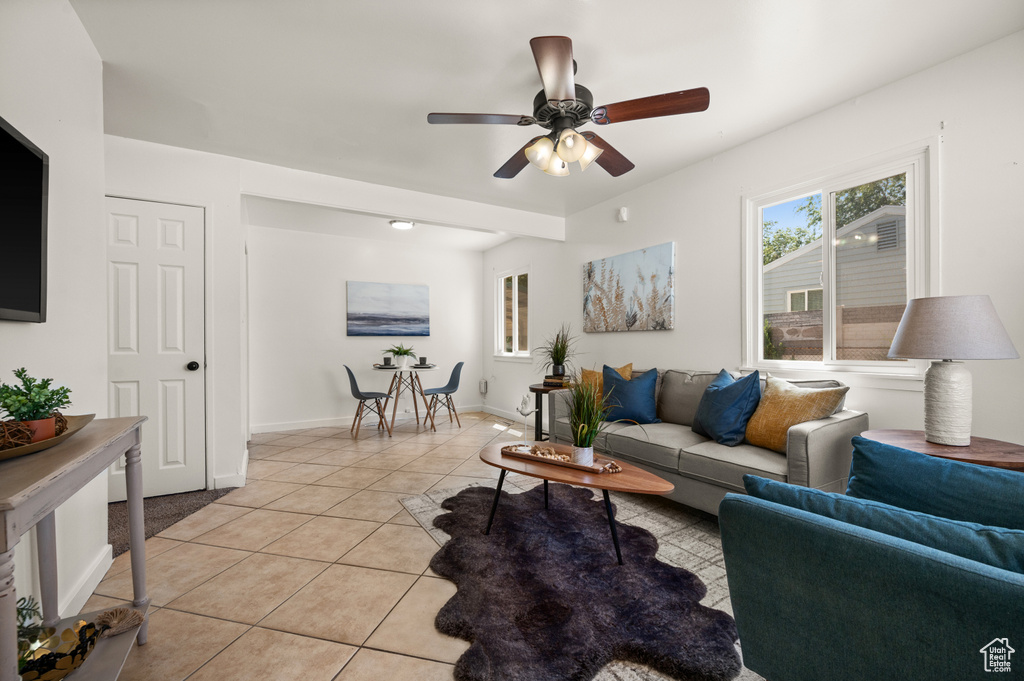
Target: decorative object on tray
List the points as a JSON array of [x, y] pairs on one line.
[[74, 424], [630, 292], [45, 654], [33, 403], [557, 352], [118, 621], [402, 355], [549, 454]]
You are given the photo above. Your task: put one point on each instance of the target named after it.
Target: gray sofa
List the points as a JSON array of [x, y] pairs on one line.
[[817, 455]]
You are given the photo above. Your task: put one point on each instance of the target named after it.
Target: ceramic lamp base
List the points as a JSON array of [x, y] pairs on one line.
[[947, 404]]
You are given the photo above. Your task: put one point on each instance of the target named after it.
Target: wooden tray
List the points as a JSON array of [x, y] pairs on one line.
[[75, 424], [598, 467]]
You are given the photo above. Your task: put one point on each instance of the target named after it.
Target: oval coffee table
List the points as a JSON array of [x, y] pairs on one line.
[[630, 479]]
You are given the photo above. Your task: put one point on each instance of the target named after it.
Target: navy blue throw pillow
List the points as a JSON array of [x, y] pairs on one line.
[[726, 406], [631, 400]]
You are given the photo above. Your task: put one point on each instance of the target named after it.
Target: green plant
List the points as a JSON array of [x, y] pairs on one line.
[[28, 615], [401, 351], [588, 408], [33, 399], [771, 350], [558, 349]]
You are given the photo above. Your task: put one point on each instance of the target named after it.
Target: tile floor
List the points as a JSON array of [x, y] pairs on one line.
[[313, 570]]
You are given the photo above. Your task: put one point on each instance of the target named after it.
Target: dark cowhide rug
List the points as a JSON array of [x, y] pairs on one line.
[[543, 598]]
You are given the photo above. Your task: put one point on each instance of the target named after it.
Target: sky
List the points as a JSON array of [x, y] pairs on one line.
[[785, 214]]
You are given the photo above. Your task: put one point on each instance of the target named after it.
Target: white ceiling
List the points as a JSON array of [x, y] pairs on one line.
[[343, 87]]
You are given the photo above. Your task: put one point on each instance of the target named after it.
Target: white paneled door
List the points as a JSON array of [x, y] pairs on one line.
[[155, 330]]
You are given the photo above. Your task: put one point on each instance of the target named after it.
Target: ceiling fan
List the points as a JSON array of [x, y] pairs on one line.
[[564, 105]]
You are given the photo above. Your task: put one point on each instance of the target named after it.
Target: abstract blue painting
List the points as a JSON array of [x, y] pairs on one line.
[[376, 309]]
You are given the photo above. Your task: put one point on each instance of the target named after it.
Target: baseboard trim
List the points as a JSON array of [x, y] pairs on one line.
[[86, 585], [237, 480], [346, 422]]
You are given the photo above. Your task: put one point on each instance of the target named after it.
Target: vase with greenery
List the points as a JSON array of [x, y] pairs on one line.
[[33, 402], [588, 409], [403, 356], [557, 351]]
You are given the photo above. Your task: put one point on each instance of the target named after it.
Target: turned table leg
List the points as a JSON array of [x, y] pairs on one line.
[[137, 533], [8, 619], [46, 550]]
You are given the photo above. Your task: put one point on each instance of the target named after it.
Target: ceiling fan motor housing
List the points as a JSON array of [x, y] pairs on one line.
[[569, 114]]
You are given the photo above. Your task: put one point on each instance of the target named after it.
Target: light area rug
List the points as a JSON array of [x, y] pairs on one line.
[[687, 538]]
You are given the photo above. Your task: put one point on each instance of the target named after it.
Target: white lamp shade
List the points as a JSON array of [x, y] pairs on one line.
[[590, 155], [557, 167], [571, 145], [952, 327], [540, 152]]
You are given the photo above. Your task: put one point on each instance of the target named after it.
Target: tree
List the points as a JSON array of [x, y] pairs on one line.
[[776, 242], [856, 202]]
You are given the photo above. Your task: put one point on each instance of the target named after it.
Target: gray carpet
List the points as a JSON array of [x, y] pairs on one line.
[[160, 513], [686, 537]]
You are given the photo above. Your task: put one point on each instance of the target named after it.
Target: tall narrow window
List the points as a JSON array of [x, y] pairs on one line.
[[513, 313]]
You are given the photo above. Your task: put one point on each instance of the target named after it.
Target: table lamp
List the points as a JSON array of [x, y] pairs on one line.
[[948, 328]]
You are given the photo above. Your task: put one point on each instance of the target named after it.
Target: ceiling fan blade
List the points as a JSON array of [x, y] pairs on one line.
[[553, 55], [687, 101], [494, 119], [515, 164], [611, 160]]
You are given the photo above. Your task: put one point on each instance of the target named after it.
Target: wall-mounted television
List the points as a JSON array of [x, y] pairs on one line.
[[24, 179]]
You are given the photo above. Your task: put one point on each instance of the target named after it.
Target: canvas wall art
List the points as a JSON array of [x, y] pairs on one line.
[[376, 309], [631, 292]]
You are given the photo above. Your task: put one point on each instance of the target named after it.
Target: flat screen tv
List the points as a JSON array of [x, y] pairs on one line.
[[24, 176]]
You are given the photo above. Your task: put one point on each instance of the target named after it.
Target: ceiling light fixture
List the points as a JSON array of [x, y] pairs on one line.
[[553, 153], [402, 224]]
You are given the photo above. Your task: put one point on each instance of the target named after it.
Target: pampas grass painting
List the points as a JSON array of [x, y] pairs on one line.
[[388, 309], [631, 292]]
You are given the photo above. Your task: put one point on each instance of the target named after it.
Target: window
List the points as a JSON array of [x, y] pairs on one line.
[[512, 313], [831, 264]]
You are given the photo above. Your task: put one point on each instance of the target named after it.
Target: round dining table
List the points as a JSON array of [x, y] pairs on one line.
[[407, 378]]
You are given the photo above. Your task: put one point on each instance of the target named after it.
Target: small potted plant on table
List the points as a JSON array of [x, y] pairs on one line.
[[404, 356], [588, 409], [34, 403], [557, 350]]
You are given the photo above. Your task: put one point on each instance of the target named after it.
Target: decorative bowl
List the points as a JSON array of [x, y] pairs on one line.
[[53, 656]]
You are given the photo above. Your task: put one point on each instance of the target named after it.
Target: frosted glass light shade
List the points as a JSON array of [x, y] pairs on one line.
[[571, 145], [540, 152], [557, 167], [590, 155]]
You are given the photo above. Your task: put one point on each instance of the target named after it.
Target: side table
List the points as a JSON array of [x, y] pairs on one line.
[[981, 451], [540, 390]]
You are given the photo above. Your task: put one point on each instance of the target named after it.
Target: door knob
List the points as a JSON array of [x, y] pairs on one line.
[[192, 366]]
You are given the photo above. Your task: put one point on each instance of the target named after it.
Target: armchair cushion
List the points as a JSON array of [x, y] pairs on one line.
[[995, 546], [949, 489]]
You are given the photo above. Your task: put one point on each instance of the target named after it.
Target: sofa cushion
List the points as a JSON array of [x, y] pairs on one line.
[[784, 405], [948, 489], [726, 466], [631, 400], [597, 377], [680, 394], [726, 406], [656, 444], [995, 546]]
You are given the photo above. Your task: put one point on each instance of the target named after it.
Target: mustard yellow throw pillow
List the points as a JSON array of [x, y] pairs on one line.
[[597, 377], [783, 405]]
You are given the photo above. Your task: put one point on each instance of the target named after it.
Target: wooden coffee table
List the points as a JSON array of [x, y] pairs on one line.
[[630, 479]]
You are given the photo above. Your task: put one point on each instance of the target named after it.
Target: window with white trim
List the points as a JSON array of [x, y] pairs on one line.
[[830, 265], [512, 313]]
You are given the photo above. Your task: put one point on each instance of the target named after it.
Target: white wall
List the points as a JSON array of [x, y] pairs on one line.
[[51, 91], [297, 333], [973, 101]]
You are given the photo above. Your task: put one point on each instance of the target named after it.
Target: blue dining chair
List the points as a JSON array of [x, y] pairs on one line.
[[445, 392], [365, 407]]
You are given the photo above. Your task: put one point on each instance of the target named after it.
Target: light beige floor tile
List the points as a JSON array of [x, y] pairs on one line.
[[344, 603], [409, 628], [353, 478], [202, 521], [406, 482], [174, 572], [254, 530], [369, 505], [323, 538], [274, 655], [295, 441], [311, 499], [394, 547], [431, 464], [368, 442], [404, 518], [258, 493], [323, 443], [97, 602], [250, 590], [477, 469], [455, 481], [178, 644], [264, 438], [374, 665], [261, 468], [257, 452], [326, 431], [154, 547], [448, 451], [295, 455], [339, 457], [413, 446], [305, 473], [386, 461]]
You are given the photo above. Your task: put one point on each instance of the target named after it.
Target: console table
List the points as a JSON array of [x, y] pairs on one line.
[[981, 451], [31, 488]]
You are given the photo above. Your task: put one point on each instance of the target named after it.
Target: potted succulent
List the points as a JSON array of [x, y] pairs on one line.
[[557, 350], [403, 356], [588, 409], [34, 403]]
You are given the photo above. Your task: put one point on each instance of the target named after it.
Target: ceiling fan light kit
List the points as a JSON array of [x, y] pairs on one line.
[[563, 106]]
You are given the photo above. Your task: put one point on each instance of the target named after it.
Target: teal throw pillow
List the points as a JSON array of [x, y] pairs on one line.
[[949, 489], [631, 400], [726, 406], [996, 546]]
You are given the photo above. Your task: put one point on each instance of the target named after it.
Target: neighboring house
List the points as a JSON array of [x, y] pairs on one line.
[[871, 289]]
